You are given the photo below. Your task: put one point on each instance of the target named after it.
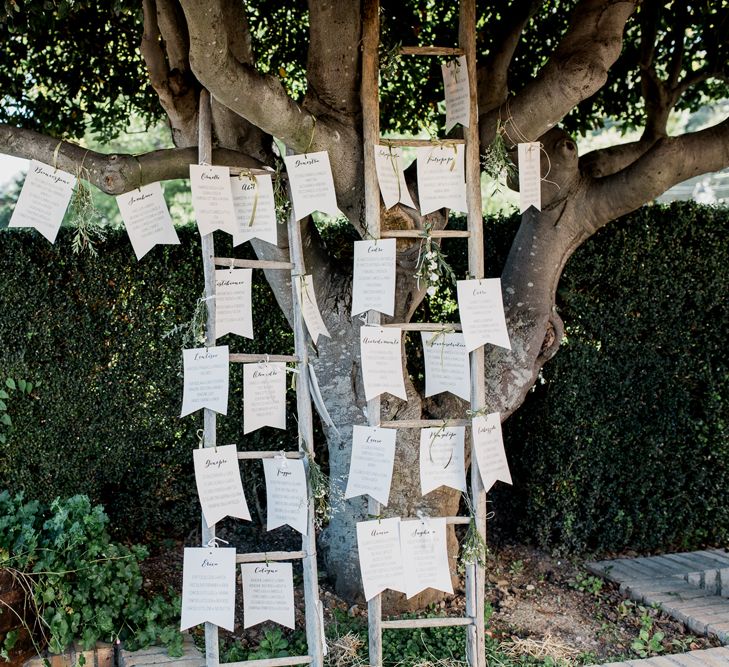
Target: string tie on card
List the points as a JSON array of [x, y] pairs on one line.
[[311, 139], [213, 542], [249, 174], [55, 155], [283, 463], [201, 438], [481, 412]]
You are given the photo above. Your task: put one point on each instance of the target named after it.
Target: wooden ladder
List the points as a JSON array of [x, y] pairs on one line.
[[307, 554], [475, 577]]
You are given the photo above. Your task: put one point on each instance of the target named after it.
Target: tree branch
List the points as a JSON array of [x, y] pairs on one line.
[[116, 173], [577, 69], [607, 161]]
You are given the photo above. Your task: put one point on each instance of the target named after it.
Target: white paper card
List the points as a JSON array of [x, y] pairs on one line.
[[146, 218], [206, 379], [43, 200], [373, 286], [312, 184], [264, 395], [219, 485], [380, 558], [370, 468], [442, 461], [255, 209], [447, 366], [286, 497], [425, 551], [441, 178], [382, 361], [530, 176], [310, 309], [233, 302], [457, 97], [490, 454], [482, 313], [208, 587], [212, 198], [268, 593], [391, 176]]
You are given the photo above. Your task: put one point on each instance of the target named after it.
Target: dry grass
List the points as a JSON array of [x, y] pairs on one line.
[[548, 647]]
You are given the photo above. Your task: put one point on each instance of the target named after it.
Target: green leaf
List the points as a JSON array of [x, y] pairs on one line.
[[10, 383], [5, 419], [3, 405], [4, 394], [21, 385]]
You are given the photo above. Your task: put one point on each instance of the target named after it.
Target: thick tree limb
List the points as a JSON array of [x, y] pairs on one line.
[[607, 161], [116, 173]]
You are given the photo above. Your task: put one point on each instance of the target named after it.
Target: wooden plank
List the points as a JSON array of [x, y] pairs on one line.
[[253, 358], [424, 423], [430, 51], [265, 556], [424, 326], [419, 234], [416, 143], [404, 623], [227, 262], [273, 662], [251, 456]]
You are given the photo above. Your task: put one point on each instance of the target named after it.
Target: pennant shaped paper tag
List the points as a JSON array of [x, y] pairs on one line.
[[370, 468], [490, 454], [208, 587], [146, 218], [286, 497], [447, 366], [382, 361], [264, 395], [457, 97], [255, 208], [530, 176], [391, 176], [442, 460], [219, 485], [482, 313], [373, 287], [380, 557], [268, 593], [441, 178], [43, 200], [424, 549], [312, 185], [206, 379], [233, 302], [212, 198], [310, 309]]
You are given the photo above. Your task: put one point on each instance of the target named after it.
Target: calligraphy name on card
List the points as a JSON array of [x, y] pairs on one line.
[[286, 497], [208, 587], [255, 208], [447, 367], [424, 549], [264, 395], [233, 302], [268, 593], [457, 96], [382, 361], [530, 176], [310, 309], [373, 287], [370, 468], [391, 177], [312, 184], [490, 455], [482, 313], [219, 485], [441, 178], [380, 556], [146, 218], [212, 198], [206, 379], [43, 199], [442, 461]]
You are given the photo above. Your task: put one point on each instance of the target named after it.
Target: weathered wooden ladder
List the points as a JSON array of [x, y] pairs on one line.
[[314, 620], [474, 619]]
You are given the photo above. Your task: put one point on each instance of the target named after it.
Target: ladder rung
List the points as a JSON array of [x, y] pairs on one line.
[[273, 662], [424, 423], [420, 234], [424, 326], [252, 358], [265, 556], [430, 51], [249, 456], [234, 171], [253, 263], [425, 623], [415, 143]]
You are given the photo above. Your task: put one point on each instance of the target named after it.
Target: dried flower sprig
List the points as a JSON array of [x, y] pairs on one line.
[[431, 266], [495, 160], [86, 219]]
